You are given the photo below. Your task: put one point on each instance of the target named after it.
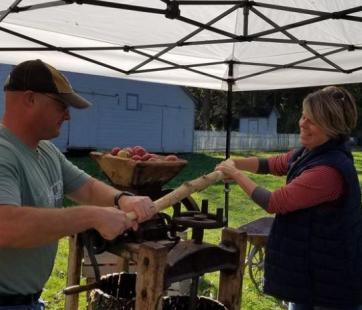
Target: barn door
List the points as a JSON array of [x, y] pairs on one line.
[[253, 127]]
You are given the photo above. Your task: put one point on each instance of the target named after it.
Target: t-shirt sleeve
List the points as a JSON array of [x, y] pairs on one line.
[[9, 180], [73, 177]]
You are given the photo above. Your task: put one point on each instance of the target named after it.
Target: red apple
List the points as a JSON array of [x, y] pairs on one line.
[[115, 150], [147, 156], [155, 156], [136, 157], [139, 150], [171, 158]]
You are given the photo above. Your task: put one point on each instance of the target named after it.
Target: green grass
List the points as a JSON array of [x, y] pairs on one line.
[[241, 211]]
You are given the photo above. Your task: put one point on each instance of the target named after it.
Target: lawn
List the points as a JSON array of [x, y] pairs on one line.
[[241, 210]]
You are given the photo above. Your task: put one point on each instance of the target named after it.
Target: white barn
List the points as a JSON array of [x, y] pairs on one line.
[[259, 121], [124, 113]]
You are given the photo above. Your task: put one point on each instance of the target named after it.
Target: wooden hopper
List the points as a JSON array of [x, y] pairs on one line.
[[128, 173]]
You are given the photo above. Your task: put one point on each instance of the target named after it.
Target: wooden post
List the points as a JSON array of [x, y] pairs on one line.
[[152, 259], [73, 274], [230, 284]]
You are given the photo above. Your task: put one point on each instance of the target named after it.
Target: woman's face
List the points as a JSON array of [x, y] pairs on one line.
[[311, 135]]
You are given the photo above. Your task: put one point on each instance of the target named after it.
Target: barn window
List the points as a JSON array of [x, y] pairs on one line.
[[132, 102]]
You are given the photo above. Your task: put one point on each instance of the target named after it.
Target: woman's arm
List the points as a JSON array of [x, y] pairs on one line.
[[276, 165], [250, 164], [314, 186]]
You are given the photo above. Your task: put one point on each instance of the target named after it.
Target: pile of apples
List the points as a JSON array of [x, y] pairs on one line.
[[140, 153]]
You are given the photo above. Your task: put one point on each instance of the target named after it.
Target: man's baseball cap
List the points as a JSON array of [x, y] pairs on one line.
[[40, 77]]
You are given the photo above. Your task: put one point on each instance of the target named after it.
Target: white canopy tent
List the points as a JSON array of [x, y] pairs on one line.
[[231, 45], [276, 44]]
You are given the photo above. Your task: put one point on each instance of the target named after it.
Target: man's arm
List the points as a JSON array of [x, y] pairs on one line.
[[30, 227], [95, 192]]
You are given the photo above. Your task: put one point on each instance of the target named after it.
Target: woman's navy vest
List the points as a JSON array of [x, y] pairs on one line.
[[314, 255]]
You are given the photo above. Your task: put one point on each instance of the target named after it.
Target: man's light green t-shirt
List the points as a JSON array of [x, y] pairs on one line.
[[38, 178]]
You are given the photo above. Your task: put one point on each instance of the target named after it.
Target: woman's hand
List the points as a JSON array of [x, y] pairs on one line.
[[229, 169], [232, 173]]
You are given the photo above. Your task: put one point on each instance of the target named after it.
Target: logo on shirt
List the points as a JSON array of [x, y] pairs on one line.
[[55, 194]]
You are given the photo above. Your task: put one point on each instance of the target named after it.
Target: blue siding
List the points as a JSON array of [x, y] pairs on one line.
[[273, 119], [62, 141], [149, 126], [4, 71], [259, 125], [163, 123]]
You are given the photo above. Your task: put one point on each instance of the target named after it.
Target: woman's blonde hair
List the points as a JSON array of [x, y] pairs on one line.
[[333, 109]]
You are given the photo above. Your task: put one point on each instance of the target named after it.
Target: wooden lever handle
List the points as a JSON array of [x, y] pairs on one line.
[[184, 190]]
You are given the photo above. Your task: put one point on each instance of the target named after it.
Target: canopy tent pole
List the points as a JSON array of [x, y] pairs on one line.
[[230, 82], [228, 120]]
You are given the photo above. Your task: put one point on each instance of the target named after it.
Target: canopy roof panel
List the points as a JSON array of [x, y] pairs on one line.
[[208, 43]]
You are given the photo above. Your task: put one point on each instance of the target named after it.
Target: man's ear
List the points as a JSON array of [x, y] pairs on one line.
[[29, 98]]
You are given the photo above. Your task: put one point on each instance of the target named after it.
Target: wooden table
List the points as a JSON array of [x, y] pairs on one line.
[[258, 230], [257, 233]]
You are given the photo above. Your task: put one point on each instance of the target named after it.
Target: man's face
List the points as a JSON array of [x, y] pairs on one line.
[[50, 113]]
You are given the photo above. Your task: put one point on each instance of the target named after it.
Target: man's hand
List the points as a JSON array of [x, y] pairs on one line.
[[112, 222], [142, 206]]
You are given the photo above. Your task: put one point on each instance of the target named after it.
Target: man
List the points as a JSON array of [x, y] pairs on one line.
[[35, 176]]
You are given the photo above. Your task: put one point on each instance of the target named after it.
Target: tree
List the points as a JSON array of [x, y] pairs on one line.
[[211, 107]]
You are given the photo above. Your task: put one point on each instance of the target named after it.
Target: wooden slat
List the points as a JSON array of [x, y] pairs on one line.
[[150, 281], [230, 285], [104, 258], [73, 273]]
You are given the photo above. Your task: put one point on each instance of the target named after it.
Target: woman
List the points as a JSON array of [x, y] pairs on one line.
[[314, 251]]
